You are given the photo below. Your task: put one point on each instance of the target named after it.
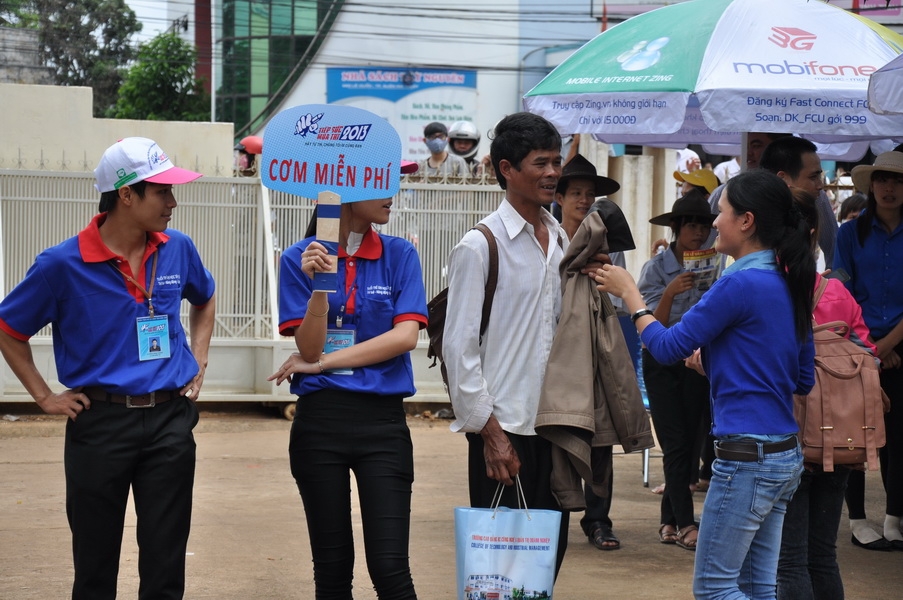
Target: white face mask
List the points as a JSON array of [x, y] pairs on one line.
[[436, 145]]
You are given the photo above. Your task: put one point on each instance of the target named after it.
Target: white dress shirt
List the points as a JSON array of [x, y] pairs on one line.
[[503, 375]]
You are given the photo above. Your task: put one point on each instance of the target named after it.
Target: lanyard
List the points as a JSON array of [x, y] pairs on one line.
[[349, 303], [351, 293], [147, 292]]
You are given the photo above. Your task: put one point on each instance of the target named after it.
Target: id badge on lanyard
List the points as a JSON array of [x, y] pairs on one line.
[[337, 339], [153, 337]]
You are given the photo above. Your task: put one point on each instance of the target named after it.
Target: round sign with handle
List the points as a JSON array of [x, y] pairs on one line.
[[336, 154]]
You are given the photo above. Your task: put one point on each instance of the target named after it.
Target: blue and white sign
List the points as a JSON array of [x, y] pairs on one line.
[[409, 98], [313, 148]]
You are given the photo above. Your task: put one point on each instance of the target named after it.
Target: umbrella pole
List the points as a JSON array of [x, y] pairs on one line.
[[744, 140]]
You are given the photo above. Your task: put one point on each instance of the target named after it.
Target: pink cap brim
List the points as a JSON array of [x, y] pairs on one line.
[[409, 166], [174, 176]]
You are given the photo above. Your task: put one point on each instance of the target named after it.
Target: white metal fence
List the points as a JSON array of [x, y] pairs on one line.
[[228, 219]]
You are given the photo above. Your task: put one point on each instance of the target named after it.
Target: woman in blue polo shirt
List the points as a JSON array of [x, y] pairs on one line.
[[351, 374], [869, 249], [753, 327]]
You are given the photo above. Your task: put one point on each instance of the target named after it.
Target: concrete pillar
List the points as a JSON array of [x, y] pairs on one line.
[[636, 198]]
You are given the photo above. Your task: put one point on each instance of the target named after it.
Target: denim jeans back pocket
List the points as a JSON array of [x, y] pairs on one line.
[[767, 492]]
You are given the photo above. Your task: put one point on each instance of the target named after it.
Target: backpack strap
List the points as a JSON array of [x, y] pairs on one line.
[[816, 297], [492, 278], [819, 291]]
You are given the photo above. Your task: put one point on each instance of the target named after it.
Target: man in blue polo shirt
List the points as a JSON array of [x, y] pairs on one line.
[[109, 292]]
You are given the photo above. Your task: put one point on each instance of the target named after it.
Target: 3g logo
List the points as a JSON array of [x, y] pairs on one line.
[[791, 37]]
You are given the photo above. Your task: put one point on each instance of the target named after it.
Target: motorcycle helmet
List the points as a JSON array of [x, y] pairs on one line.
[[463, 130]]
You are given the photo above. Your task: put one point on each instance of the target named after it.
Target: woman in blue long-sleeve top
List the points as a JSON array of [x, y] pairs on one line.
[[754, 329], [869, 249]]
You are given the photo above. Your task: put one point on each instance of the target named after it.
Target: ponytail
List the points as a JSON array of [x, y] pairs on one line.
[[780, 226], [797, 263]]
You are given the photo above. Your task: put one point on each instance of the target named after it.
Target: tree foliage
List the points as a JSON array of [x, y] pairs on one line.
[[161, 85], [85, 42], [18, 13]]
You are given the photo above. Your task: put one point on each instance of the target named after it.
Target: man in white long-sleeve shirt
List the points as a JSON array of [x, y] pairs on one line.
[[494, 383]]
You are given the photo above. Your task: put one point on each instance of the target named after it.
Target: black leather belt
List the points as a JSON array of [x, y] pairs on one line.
[[749, 451], [149, 400]]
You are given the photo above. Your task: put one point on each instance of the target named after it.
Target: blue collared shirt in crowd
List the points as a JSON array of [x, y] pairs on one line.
[[875, 273]]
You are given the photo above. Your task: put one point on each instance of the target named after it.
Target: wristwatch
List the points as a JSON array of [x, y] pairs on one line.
[[640, 313]]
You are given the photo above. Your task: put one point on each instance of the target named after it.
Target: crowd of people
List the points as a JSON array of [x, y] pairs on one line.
[[720, 365]]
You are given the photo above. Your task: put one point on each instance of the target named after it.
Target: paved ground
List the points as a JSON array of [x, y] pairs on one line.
[[249, 538]]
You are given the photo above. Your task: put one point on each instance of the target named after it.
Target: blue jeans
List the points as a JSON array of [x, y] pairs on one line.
[[740, 529], [807, 568]]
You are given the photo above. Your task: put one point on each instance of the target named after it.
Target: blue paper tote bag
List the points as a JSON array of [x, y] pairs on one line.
[[504, 553]]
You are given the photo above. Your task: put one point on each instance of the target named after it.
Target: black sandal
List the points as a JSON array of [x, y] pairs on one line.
[[603, 539]]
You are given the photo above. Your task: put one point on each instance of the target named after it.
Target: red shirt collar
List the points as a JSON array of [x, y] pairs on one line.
[[91, 245], [371, 247]]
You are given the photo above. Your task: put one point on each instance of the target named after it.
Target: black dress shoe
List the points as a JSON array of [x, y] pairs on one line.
[[881, 544]]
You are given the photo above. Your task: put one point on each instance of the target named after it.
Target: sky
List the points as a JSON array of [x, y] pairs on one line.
[[152, 14]]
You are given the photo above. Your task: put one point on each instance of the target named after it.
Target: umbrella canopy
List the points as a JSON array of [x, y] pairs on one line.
[[886, 88], [753, 65], [695, 131]]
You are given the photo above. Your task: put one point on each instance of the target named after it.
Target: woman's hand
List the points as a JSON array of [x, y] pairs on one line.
[[694, 361], [294, 364], [596, 263], [614, 280], [891, 360], [315, 258], [680, 284]]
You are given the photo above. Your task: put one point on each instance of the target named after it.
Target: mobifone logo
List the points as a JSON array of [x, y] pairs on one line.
[[793, 38]]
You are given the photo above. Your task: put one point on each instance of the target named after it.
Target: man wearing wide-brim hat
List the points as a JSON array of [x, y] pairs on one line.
[[578, 187]]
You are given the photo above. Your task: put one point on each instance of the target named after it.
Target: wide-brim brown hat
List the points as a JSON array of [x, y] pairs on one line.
[[580, 168], [693, 204], [892, 162]]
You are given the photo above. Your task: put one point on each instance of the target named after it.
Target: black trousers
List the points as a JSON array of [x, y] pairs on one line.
[[110, 449], [597, 507], [334, 434], [891, 454], [679, 402], [535, 455]]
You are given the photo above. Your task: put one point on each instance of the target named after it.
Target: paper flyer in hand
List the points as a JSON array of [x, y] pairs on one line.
[[706, 264]]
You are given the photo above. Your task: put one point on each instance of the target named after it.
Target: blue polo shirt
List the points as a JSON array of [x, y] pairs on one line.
[[93, 310], [876, 274], [381, 285], [745, 327]]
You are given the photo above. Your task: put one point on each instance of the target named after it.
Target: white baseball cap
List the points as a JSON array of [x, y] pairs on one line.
[[135, 159]]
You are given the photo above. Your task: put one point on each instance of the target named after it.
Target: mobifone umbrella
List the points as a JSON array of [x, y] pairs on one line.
[[800, 66]]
